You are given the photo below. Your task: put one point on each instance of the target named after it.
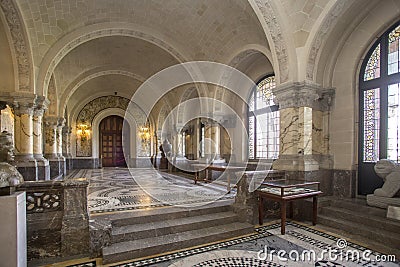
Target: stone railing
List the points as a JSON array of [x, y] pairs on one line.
[[57, 218]]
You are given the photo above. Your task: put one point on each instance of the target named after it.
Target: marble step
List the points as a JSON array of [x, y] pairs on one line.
[[130, 250], [158, 228], [359, 205], [361, 229], [360, 217], [168, 213]]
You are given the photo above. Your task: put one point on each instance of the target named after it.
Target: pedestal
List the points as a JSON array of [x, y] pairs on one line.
[[13, 230]]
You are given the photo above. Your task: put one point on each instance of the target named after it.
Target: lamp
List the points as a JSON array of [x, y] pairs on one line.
[[83, 130], [144, 133]]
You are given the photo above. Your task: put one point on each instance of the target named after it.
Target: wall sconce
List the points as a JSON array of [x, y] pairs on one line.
[[83, 131], [144, 133]]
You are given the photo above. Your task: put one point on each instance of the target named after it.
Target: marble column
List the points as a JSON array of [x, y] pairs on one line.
[[66, 146], [42, 163], [51, 147], [304, 110], [23, 138], [59, 143]]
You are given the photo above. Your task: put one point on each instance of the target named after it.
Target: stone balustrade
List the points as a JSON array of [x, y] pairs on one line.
[[57, 218]]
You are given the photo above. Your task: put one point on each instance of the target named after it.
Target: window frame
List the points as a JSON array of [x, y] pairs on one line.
[[254, 114], [382, 82]]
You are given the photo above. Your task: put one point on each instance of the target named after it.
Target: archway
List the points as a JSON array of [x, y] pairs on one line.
[[111, 145]]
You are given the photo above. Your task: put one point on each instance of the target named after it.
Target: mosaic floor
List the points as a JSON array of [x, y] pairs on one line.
[[250, 251], [119, 189]]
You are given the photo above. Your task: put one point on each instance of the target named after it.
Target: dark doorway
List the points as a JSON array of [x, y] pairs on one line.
[[111, 147]]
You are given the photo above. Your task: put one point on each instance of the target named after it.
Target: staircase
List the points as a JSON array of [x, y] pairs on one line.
[[145, 233], [357, 220]]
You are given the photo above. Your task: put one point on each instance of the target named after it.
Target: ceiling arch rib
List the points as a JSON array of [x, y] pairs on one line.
[[92, 74], [66, 44], [20, 46]]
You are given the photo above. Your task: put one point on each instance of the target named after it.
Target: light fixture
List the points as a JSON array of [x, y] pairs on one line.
[[83, 130], [144, 133]]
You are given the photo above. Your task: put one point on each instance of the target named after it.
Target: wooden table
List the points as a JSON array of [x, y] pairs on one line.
[[208, 168], [279, 190]]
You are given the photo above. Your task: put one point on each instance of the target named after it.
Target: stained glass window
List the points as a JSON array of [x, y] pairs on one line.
[[371, 125], [373, 69], [380, 116], [393, 116], [263, 121], [394, 51]]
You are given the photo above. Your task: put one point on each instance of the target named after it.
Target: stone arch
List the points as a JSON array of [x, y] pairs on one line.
[[342, 71], [320, 33], [92, 74], [90, 112], [82, 35], [20, 47], [283, 52]]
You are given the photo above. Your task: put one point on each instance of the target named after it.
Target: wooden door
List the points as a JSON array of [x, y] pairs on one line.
[[111, 148]]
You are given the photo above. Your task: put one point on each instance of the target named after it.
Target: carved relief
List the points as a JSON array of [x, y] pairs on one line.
[[320, 36], [43, 201], [19, 43], [277, 38]]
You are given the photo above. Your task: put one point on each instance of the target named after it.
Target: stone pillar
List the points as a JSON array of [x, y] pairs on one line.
[[51, 151], [66, 146], [304, 110], [23, 137], [59, 142], [42, 163]]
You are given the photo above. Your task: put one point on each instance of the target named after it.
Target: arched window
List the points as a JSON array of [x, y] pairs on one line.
[[263, 120], [379, 107]]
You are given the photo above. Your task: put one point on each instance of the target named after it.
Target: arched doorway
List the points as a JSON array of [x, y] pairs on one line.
[[111, 146]]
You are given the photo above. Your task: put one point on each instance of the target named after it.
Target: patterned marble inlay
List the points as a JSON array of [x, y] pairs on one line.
[[114, 189], [243, 251]]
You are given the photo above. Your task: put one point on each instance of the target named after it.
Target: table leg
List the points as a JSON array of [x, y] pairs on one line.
[[283, 216], [228, 187], [315, 210], [260, 210], [196, 177], [291, 209]]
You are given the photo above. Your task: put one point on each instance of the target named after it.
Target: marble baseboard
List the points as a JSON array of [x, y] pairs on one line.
[[322, 176], [69, 163], [344, 183], [29, 173], [43, 172], [57, 168], [85, 163]]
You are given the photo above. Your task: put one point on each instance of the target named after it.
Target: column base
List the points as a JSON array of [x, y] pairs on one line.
[[27, 166], [58, 167], [43, 168], [302, 162]]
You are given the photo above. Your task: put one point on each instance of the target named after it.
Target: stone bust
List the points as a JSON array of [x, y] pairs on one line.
[[9, 175], [389, 171]]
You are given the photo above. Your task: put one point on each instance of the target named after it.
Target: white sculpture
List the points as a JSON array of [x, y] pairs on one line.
[[389, 193]]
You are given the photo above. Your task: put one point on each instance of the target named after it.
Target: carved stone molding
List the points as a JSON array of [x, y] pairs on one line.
[[327, 25], [19, 43], [275, 32], [89, 111], [303, 94]]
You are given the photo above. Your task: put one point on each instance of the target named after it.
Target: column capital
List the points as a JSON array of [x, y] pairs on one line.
[[41, 105], [51, 121], [303, 94], [61, 122]]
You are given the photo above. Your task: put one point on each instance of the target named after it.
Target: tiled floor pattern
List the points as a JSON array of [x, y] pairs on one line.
[[245, 251], [119, 189]]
